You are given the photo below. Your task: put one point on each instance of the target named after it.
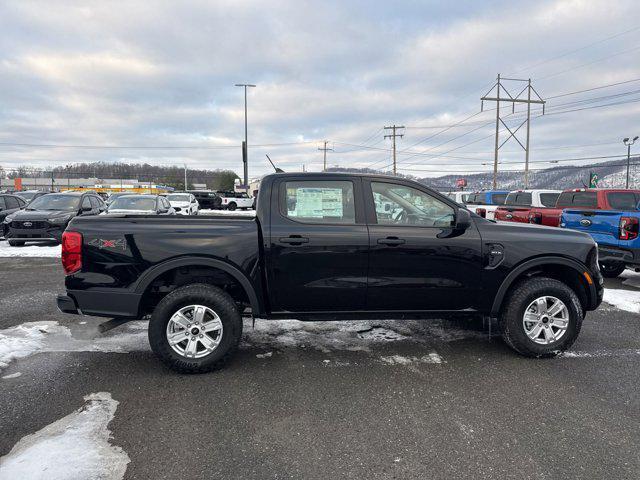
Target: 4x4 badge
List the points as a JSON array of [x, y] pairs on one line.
[[106, 243]]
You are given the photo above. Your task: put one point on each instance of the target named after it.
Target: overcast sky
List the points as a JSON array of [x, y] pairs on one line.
[[162, 74]]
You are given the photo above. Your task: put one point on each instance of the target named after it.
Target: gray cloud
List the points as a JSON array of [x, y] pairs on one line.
[[162, 73]]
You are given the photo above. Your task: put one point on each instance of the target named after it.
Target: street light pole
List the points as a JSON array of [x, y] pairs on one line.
[[245, 160], [628, 142]]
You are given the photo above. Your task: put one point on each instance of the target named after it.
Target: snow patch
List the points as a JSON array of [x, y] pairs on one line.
[[630, 278], [36, 337], [623, 299], [402, 360], [264, 355], [13, 375], [625, 352], [74, 447], [6, 250], [228, 213]]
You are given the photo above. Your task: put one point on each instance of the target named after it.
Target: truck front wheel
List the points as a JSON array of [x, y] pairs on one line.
[[612, 269], [195, 329], [542, 317]]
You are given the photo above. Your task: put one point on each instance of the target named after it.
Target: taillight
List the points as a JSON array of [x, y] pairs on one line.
[[535, 217], [71, 252], [482, 212], [628, 228]]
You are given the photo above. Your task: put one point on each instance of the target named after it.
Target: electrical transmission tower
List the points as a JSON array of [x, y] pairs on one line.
[[325, 150], [393, 136], [524, 96]]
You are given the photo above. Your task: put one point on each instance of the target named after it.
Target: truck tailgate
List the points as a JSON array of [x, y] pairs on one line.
[[602, 225]]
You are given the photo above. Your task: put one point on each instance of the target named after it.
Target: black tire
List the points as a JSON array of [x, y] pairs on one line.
[[16, 243], [517, 301], [612, 269], [196, 294], [232, 206]]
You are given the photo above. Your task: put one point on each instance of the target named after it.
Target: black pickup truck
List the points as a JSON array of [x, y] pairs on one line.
[[327, 246]]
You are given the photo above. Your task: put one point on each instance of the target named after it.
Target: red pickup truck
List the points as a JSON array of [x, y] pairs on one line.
[[519, 203], [587, 199]]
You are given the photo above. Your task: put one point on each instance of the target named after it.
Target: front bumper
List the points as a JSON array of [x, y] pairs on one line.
[[629, 256], [100, 303]]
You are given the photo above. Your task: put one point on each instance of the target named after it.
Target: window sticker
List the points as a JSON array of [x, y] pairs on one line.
[[315, 202]]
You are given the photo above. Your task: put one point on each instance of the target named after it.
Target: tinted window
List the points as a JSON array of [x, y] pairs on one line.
[[134, 203], [622, 200], [11, 202], [86, 203], [549, 199], [519, 198], [2, 203], [476, 199], [179, 197], [319, 201], [94, 202], [498, 198], [400, 205], [55, 201], [578, 199]]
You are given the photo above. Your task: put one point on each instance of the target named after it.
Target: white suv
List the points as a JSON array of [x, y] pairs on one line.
[[184, 203], [234, 200]]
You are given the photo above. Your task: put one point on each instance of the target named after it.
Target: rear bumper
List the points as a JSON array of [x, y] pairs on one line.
[[630, 256], [100, 303]]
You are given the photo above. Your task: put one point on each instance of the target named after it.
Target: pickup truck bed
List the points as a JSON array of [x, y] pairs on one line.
[[332, 247]]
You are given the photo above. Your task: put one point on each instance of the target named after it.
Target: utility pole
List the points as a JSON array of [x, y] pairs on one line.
[[245, 159], [628, 142], [325, 150], [500, 87], [393, 137], [185, 177]]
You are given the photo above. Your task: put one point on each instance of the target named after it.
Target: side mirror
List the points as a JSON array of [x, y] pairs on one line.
[[463, 219]]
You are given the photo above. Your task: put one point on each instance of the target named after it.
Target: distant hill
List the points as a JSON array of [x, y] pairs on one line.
[[610, 174]]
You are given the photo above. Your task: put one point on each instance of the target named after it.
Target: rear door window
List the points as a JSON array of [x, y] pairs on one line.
[[86, 203], [330, 201], [3, 205], [623, 200], [578, 199], [498, 198], [549, 199], [522, 199]]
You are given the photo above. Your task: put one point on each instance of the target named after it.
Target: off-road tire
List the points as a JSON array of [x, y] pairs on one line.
[[232, 206], [612, 269], [519, 298], [196, 294]]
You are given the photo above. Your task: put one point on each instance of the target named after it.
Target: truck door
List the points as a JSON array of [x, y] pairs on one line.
[[416, 260], [318, 245]]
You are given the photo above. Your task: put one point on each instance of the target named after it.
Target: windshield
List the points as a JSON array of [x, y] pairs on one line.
[[133, 203], [67, 203], [27, 195], [178, 198]]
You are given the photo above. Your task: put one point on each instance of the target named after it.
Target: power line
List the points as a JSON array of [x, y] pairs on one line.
[[151, 147]]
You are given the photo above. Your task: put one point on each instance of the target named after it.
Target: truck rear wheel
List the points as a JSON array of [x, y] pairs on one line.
[[541, 318], [195, 329], [232, 206], [612, 269]]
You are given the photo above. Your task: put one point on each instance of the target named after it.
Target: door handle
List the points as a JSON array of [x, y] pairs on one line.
[[294, 240], [391, 241]]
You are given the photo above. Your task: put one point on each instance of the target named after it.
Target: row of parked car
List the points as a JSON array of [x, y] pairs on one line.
[[610, 216], [36, 216]]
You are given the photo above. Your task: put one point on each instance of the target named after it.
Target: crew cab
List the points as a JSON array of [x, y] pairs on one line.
[[615, 232], [328, 246], [518, 204], [236, 200], [485, 203], [585, 199]]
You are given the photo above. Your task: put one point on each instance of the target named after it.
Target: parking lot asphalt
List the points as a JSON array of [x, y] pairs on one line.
[[381, 400]]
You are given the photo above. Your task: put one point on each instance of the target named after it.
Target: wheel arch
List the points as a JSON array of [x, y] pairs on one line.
[[152, 274], [575, 279]]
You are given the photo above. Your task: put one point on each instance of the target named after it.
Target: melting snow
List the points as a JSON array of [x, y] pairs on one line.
[[402, 360], [623, 299], [230, 213], [13, 375], [35, 337], [630, 278], [29, 250], [74, 447]]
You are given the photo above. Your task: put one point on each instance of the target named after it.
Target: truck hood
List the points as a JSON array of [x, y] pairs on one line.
[[24, 215], [120, 211]]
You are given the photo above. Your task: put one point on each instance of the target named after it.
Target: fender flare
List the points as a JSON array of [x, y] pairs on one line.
[[547, 260], [154, 272]]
